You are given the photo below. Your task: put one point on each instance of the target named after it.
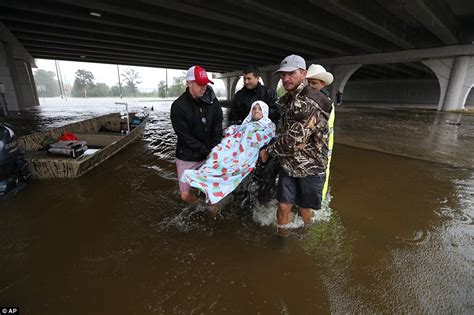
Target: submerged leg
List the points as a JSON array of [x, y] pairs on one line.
[[283, 217], [189, 197], [214, 210], [306, 214]]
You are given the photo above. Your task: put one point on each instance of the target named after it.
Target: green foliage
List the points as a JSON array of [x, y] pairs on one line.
[[131, 79], [178, 86], [46, 83], [162, 89], [115, 90], [153, 93], [83, 82], [100, 90]]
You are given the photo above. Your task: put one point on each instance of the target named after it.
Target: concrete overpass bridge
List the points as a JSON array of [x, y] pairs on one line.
[[421, 48]]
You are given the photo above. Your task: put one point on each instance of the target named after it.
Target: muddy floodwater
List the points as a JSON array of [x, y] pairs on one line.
[[396, 235]]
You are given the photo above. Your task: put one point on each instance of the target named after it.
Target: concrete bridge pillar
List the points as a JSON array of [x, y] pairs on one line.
[[459, 86], [7, 79], [230, 84], [442, 70], [455, 77], [341, 74], [15, 74]]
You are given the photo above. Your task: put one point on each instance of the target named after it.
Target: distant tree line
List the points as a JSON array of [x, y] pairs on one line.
[[46, 83], [85, 85]]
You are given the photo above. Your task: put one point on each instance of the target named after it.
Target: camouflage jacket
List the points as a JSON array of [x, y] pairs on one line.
[[293, 130]]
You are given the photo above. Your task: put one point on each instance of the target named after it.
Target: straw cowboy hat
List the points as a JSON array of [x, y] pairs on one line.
[[318, 72]]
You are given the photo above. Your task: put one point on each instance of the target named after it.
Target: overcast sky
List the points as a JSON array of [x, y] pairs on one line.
[[105, 73]]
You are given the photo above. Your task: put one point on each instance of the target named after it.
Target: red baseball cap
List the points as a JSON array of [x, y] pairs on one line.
[[198, 74]]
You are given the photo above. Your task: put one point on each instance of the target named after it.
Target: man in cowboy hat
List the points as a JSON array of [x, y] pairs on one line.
[[318, 78], [301, 144]]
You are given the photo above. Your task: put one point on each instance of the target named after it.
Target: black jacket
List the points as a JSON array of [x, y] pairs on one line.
[[244, 98], [198, 125]]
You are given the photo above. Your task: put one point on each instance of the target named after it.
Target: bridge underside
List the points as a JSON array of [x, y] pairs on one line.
[[225, 35]]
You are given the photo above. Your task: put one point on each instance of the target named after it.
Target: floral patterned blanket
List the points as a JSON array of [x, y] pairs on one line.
[[231, 160]]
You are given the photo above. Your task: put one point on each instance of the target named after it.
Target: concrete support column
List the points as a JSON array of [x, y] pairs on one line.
[[456, 79], [270, 79], [7, 78], [456, 93], [27, 84], [341, 74], [230, 84], [17, 77], [442, 70]]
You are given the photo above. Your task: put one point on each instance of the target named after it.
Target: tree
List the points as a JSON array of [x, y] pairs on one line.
[[83, 83], [100, 90], [115, 90], [46, 83], [131, 78], [178, 86], [162, 89]]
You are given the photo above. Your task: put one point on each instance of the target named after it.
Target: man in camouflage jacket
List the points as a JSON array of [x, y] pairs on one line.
[[301, 144]]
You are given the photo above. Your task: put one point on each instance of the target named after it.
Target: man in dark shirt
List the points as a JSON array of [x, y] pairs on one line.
[[197, 120], [253, 91]]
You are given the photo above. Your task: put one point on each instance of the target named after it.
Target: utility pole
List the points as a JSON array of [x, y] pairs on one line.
[[166, 85], [59, 79], [120, 84]]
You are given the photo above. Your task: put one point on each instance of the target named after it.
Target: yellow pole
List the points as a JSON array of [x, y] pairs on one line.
[[332, 118]]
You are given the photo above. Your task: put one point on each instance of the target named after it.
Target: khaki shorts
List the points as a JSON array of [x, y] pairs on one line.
[[181, 166]]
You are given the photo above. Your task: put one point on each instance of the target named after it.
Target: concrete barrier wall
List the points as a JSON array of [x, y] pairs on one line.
[[27, 85], [398, 91]]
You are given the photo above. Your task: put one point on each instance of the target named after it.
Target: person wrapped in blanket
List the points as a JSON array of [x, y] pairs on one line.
[[234, 157]]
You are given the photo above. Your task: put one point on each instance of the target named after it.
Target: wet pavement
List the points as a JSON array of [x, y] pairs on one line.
[[396, 236]]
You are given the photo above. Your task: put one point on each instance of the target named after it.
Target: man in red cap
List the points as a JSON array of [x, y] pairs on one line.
[[197, 121]]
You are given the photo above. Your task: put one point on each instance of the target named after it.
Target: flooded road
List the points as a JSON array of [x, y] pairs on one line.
[[396, 236]]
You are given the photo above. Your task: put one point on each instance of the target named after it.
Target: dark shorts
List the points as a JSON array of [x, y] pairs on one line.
[[302, 191]]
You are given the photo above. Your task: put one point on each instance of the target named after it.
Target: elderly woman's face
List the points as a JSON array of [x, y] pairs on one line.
[[257, 112]]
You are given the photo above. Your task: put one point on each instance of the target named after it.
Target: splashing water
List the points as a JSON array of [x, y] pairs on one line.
[[265, 215]]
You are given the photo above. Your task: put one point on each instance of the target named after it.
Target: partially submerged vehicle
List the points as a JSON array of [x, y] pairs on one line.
[[100, 138]]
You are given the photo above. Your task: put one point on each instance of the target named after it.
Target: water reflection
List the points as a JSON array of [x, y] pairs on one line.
[[387, 225]]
